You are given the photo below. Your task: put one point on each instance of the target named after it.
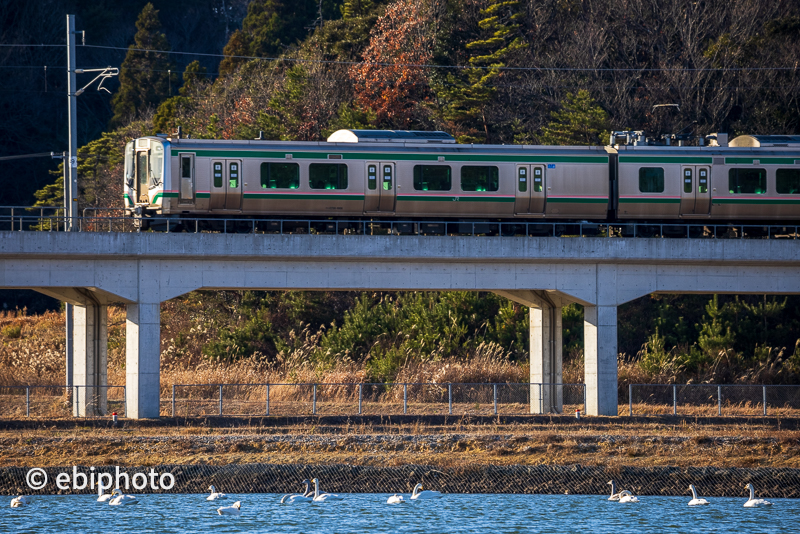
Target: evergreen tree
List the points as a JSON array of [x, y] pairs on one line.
[[144, 78], [356, 8], [467, 98], [580, 122]]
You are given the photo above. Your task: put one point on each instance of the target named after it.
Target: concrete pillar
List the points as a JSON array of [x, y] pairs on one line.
[[600, 359], [546, 360], [90, 360], [142, 360]]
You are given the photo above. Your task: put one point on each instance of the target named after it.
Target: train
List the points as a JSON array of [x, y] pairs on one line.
[[425, 175]]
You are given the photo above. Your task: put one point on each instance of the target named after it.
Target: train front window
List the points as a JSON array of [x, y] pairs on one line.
[[156, 165], [327, 176], [651, 180], [474, 178], [432, 178], [787, 181], [743, 181], [141, 175], [280, 175]]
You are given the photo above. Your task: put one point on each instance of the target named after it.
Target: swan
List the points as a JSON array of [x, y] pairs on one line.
[[627, 496], [395, 499], [118, 498], [234, 509], [752, 502], [19, 502], [695, 500], [102, 497], [614, 494], [419, 493], [322, 497], [293, 498], [214, 495]]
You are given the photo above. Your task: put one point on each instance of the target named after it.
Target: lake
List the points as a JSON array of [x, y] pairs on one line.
[[361, 512]]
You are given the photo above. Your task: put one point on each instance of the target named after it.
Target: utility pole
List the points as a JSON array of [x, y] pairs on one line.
[[71, 180]]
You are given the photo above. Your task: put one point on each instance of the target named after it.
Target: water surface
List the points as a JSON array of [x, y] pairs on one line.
[[360, 512]]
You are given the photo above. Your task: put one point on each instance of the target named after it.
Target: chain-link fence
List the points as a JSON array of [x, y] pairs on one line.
[[61, 401], [713, 399], [538, 479], [373, 399]]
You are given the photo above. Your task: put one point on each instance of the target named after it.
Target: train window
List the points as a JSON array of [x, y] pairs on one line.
[[687, 180], [327, 176], [702, 181], [744, 181], [372, 177], [233, 176], [651, 180], [522, 179], [537, 180], [788, 181], [156, 165], [217, 174], [484, 178], [280, 175], [186, 167], [387, 177], [432, 177]]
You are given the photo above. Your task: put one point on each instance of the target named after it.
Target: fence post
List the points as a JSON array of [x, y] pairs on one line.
[[495, 399], [360, 394], [173, 401], [220, 399], [719, 400], [674, 399], [125, 401], [765, 399], [450, 399], [630, 399], [314, 405], [77, 398], [27, 401], [541, 399], [267, 399], [584, 398], [405, 399]]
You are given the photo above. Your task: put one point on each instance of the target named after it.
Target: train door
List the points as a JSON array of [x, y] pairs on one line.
[[186, 192], [226, 184], [530, 189], [142, 176], [695, 193], [380, 194]]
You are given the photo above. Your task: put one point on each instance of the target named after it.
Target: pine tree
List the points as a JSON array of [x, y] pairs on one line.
[[144, 78], [580, 121], [467, 97]]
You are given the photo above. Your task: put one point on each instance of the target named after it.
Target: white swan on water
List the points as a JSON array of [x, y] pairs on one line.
[[627, 496], [614, 494], [214, 495], [395, 499], [234, 509], [102, 497], [293, 498], [420, 493], [19, 502], [322, 497], [118, 498], [752, 502], [695, 500]]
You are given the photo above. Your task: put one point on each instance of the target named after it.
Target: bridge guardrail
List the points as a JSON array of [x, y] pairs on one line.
[[24, 218]]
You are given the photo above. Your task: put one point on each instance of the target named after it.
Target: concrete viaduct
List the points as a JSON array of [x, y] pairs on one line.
[[91, 270]]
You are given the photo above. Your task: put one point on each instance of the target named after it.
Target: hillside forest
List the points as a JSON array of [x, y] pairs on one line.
[[486, 71]]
